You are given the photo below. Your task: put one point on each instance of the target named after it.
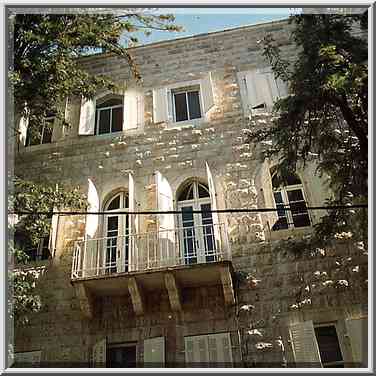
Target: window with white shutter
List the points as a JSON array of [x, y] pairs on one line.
[[154, 352], [183, 102], [87, 117], [259, 89], [304, 343], [213, 350], [99, 353], [329, 347]]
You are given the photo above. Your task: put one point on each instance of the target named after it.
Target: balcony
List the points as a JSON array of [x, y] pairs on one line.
[[168, 259]]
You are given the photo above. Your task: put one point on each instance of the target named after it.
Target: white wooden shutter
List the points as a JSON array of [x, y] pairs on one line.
[[160, 105], [93, 201], [166, 221], [133, 224], [220, 348], [87, 117], [212, 349], [154, 352], [273, 88], [29, 358], [189, 351], [99, 353], [53, 233], [267, 185], [196, 350], [90, 251], [357, 330], [255, 83], [207, 92], [213, 198], [208, 349], [133, 106], [282, 88], [22, 129], [305, 347], [164, 201]]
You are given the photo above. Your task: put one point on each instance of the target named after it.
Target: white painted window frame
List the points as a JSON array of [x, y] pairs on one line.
[[185, 87], [187, 90], [122, 231], [283, 190], [320, 325], [46, 119], [97, 111]]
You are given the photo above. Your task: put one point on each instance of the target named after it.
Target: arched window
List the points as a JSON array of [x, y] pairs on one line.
[[109, 115], [290, 194], [116, 234], [196, 229]]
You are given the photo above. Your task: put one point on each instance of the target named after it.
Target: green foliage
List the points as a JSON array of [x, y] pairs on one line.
[[36, 202], [325, 116]]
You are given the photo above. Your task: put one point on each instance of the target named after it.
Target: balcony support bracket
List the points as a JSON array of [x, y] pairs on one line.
[[228, 289], [173, 292], [136, 296], [85, 299]]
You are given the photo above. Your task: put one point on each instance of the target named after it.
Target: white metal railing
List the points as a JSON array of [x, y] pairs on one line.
[[150, 250]]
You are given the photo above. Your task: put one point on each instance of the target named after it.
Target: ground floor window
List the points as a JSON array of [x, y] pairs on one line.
[[121, 355], [330, 351]]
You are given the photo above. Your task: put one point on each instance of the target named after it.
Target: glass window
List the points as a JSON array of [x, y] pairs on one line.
[[187, 104], [41, 134], [109, 116], [290, 203], [330, 351]]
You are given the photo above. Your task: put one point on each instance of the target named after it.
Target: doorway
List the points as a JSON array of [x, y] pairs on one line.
[[121, 356], [196, 231], [116, 235]]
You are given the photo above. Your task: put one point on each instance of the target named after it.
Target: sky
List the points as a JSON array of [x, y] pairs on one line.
[[203, 20]]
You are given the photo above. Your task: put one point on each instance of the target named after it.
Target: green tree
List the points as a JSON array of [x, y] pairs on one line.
[[324, 117], [45, 71]]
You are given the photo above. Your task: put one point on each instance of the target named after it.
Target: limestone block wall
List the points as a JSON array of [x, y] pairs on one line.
[[277, 280]]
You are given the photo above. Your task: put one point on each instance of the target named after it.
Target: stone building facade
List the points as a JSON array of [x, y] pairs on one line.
[[189, 287]]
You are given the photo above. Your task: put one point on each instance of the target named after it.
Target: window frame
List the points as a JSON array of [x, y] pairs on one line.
[[47, 119], [111, 346], [337, 362], [186, 90], [97, 118], [284, 189]]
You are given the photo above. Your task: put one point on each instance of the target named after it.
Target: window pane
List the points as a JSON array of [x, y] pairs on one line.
[[112, 225], [104, 121], [328, 344], [117, 119], [34, 135], [203, 191], [295, 195], [47, 133], [186, 193], [180, 107], [194, 105], [281, 224], [278, 198], [301, 220], [115, 204]]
